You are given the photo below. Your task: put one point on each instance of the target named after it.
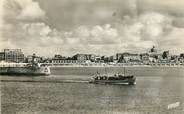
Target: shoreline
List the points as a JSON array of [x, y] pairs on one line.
[[96, 65], [149, 66]]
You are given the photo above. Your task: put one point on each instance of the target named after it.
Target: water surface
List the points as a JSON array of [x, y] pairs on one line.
[[66, 91]]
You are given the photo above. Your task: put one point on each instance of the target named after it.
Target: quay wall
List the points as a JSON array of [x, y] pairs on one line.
[[97, 65]]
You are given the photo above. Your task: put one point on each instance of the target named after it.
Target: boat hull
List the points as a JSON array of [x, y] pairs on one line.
[[25, 71], [130, 81]]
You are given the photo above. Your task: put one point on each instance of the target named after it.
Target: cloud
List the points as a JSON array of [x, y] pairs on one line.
[[22, 10], [31, 35], [153, 28], [155, 25], [95, 35], [103, 28], [41, 34], [69, 14], [103, 35], [147, 29], [30, 9], [140, 33], [171, 7], [173, 41], [36, 29]]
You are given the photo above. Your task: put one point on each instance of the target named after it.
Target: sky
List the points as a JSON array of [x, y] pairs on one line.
[[102, 27]]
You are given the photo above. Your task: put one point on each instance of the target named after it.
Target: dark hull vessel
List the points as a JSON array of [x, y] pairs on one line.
[[120, 79], [113, 79]]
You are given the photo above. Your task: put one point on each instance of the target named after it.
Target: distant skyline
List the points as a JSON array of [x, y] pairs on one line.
[[102, 27]]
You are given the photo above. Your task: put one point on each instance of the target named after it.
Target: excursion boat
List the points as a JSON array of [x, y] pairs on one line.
[[113, 79]]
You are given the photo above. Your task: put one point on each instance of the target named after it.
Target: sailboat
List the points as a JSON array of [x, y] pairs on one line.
[[113, 79]]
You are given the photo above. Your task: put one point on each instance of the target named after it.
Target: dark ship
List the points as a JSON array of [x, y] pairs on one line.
[[113, 79]]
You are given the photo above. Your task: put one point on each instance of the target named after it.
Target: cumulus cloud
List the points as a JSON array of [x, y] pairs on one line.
[[95, 35], [31, 36], [41, 35], [37, 29], [172, 7], [173, 41], [130, 28], [27, 10], [30, 9], [155, 25], [143, 32]]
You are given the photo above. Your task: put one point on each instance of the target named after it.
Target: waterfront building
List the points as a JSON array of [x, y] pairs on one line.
[[1, 56], [144, 58], [76, 59], [13, 55], [47, 60], [59, 57], [90, 57], [65, 61], [79, 57], [166, 61], [182, 55], [165, 55], [155, 55], [84, 57], [127, 57], [29, 59], [152, 60], [174, 59], [119, 57], [113, 58], [181, 58], [131, 57], [98, 59], [37, 59], [106, 59]]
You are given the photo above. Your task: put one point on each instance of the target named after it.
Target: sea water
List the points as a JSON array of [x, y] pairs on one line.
[[66, 91]]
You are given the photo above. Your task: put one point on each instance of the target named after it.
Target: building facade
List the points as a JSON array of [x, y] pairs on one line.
[[80, 57], [84, 57], [144, 58], [119, 56], [65, 61], [127, 57], [1, 56], [165, 55], [13, 55]]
